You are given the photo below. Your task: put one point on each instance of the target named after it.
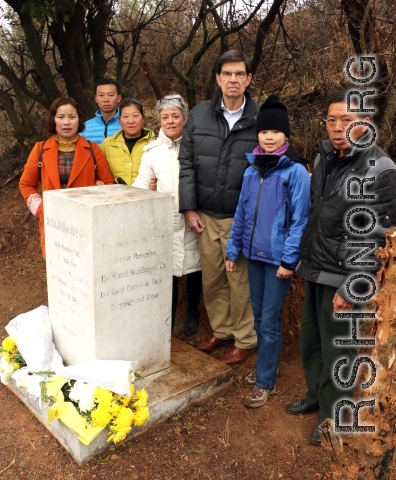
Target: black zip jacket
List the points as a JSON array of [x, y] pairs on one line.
[[212, 158], [325, 251]]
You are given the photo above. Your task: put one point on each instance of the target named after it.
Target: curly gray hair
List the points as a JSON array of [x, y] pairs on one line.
[[171, 102]]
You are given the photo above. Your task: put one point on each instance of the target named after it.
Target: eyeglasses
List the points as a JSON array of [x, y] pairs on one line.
[[167, 99], [239, 75]]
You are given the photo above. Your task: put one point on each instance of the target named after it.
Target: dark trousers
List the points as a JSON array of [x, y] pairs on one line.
[[194, 290], [319, 353]]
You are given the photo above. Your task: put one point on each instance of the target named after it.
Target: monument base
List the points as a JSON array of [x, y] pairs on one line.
[[192, 377]]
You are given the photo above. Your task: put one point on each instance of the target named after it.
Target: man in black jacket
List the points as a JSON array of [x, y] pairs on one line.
[[352, 203], [216, 137]]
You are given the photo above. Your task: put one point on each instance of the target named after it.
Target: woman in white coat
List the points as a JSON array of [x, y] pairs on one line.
[[160, 161]]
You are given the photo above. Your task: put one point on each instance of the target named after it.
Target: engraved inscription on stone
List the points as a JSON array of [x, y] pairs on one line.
[[109, 272], [65, 272], [137, 273]]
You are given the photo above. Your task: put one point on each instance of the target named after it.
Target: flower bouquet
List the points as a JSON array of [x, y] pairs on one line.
[[31, 334], [87, 397], [88, 409], [10, 359]]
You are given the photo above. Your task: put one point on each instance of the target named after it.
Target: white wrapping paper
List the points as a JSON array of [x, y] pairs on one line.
[[32, 334], [112, 375]]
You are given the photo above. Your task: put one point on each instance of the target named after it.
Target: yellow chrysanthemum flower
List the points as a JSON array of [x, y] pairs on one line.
[[121, 426], [142, 399], [122, 399], [101, 417], [141, 416], [9, 346], [103, 397], [115, 408], [118, 435], [125, 417]]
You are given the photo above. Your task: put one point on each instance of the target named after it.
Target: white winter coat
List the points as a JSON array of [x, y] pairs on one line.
[[160, 161]]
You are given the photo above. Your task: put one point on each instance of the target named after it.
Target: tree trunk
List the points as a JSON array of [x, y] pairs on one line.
[[68, 39], [18, 127], [358, 13], [98, 19], [364, 31], [376, 451], [45, 79], [370, 456], [152, 80], [262, 31], [30, 129], [388, 121]]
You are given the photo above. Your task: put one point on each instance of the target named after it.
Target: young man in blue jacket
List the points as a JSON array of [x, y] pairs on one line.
[[106, 121], [271, 215]]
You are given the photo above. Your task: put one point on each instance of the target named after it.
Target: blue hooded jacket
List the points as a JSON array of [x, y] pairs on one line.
[[272, 212], [96, 129]]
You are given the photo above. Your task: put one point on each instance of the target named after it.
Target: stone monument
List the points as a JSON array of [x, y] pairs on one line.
[[109, 272]]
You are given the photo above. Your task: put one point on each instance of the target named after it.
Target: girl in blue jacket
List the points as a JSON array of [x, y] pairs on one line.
[[270, 218]]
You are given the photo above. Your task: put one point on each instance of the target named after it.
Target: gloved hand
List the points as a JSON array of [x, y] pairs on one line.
[[33, 203], [120, 181]]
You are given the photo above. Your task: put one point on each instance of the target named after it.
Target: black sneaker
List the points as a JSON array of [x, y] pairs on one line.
[[192, 321], [300, 408]]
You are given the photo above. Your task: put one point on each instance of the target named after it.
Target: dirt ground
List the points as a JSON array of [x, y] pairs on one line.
[[218, 439]]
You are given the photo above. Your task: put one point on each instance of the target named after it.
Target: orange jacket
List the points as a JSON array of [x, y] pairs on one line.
[[83, 173]]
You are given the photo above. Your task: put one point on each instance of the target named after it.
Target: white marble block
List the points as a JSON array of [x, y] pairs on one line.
[[109, 272]]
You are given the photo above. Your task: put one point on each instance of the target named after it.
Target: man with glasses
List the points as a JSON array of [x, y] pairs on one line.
[[106, 121], [351, 176], [212, 159]]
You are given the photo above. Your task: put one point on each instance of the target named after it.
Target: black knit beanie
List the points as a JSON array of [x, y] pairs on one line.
[[273, 116]]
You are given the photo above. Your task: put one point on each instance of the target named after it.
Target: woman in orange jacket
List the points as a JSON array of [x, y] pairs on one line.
[[65, 160]]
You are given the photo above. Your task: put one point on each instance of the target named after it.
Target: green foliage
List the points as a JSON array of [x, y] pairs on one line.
[[48, 9]]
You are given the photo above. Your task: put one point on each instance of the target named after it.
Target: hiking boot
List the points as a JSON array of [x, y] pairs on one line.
[[250, 380], [192, 321], [257, 398]]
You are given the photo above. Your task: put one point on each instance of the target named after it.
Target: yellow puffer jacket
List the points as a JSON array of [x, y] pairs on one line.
[[122, 163]]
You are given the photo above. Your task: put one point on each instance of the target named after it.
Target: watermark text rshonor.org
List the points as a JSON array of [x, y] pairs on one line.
[[355, 96]]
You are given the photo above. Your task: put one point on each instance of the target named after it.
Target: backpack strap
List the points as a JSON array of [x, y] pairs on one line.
[[40, 161], [93, 154]]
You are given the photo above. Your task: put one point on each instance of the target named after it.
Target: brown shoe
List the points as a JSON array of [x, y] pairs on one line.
[[237, 355], [209, 344]]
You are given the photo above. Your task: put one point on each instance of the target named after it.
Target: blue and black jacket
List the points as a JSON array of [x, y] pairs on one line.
[[272, 212], [96, 129]]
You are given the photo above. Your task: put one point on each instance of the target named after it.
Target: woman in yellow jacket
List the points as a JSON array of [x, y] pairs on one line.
[[124, 149]]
